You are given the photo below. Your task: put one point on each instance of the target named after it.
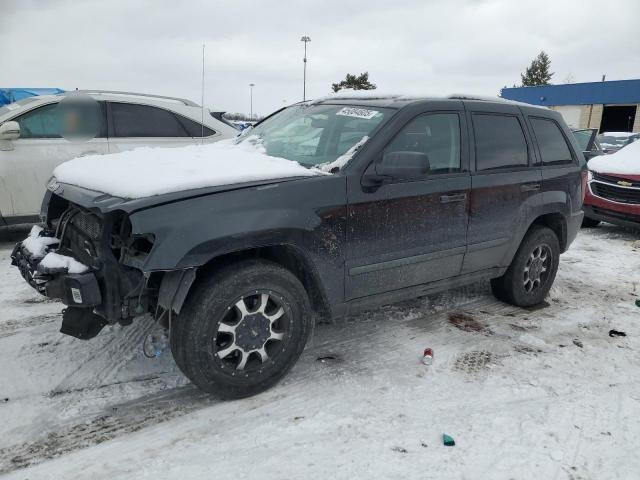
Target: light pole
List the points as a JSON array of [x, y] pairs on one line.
[[251, 85], [305, 39]]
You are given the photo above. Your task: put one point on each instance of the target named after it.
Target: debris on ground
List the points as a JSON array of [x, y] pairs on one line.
[[578, 343], [326, 358], [467, 323], [447, 440], [399, 450], [427, 356], [616, 333], [637, 302]]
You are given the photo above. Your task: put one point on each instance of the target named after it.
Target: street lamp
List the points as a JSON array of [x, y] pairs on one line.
[[305, 39], [251, 85]]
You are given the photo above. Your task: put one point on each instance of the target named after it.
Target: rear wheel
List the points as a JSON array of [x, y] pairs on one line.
[[589, 222], [532, 271], [242, 329]]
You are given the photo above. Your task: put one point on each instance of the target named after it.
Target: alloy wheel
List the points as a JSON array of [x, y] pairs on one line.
[[253, 332]]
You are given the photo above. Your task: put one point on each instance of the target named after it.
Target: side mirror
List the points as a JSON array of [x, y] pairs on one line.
[[403, 165], [9, 131]]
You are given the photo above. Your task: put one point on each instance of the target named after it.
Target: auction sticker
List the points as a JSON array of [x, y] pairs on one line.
[[357, 113]]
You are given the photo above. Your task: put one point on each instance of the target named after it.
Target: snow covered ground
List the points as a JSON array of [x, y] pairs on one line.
[[526, 394]]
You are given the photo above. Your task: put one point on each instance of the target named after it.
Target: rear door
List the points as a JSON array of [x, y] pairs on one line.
[[506, 184], [134, 125], [407, 233], [561, 178]]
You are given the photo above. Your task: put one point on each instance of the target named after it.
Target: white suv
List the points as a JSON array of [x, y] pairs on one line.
[[33, 143]]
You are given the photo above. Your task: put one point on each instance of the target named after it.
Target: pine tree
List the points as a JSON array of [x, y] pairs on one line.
[[354, 82], [538, 72]]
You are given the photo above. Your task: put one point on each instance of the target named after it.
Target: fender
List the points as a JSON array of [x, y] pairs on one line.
[[309, 215]]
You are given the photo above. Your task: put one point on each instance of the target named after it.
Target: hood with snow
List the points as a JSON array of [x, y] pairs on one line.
[[147, 171], [625, 161]]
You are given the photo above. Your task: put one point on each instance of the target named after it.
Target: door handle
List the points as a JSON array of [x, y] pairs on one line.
[[458, 197], [529, 187]]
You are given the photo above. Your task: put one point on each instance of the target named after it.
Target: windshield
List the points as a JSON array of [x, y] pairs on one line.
[[317, 135]]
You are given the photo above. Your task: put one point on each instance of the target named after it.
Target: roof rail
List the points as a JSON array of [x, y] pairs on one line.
[[133, 94], [483, 98]]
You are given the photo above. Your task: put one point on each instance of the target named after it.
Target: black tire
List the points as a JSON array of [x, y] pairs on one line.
[[589, 222], [220, 349], [518, 286]]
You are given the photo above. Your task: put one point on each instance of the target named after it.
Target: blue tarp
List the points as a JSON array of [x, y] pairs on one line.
[[10, 95]]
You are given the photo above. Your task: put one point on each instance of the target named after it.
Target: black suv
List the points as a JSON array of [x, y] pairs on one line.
[[421, 195]]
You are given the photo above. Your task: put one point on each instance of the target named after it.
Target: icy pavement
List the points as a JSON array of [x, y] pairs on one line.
[[542, 393]]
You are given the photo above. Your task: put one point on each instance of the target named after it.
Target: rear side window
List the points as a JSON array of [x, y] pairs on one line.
[[551, 141], [500, 142], [130, 120], [435, 134]]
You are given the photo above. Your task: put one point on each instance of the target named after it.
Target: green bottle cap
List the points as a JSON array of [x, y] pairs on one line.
[[447, 440]]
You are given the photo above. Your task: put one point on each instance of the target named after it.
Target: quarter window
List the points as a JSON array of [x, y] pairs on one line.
[[437, 135], [194, 129], [500, 142], [551, 141], [130, 120]]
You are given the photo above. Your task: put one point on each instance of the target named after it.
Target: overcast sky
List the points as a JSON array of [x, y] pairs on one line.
[[407, 46]]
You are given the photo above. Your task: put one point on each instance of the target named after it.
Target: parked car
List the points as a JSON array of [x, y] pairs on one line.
[[611, 142], [34, 139], [588, 142], [425, 195], [613, 195]]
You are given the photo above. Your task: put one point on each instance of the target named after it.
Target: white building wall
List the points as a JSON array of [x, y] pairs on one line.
[[570, 113]]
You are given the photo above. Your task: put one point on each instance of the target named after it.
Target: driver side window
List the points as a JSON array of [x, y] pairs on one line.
[[435, 134], [42, 122]]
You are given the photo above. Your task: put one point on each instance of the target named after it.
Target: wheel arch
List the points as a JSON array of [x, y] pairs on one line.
[[557, 222], [288, 256]]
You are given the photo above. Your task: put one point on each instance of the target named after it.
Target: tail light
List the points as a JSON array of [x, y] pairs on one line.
[[585, 176]]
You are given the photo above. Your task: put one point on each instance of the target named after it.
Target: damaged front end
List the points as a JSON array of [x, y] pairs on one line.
[[99, 278]]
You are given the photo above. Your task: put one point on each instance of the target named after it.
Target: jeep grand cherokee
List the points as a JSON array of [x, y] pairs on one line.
[[421, 195]]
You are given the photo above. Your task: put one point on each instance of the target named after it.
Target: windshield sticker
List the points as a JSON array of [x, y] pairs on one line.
[[357, 113]]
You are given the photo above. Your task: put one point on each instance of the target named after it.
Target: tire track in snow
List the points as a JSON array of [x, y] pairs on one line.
[[115, 421]]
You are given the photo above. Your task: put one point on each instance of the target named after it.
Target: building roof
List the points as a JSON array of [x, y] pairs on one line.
[[612, 92]]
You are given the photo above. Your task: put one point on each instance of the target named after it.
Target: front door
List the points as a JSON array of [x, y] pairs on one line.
[[26, 167], [411, 232]]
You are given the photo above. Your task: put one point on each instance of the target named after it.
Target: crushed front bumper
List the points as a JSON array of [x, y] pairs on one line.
[[73, 289]]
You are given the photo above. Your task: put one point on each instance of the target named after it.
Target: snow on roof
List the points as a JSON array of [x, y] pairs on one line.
[[147, 171], [348, 94], [624, 161]]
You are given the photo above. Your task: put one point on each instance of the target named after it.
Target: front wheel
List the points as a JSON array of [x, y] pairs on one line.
[[242, 329], [532, 271]]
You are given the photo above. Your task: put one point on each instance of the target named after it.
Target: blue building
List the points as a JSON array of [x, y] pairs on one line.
[[612, 106]]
